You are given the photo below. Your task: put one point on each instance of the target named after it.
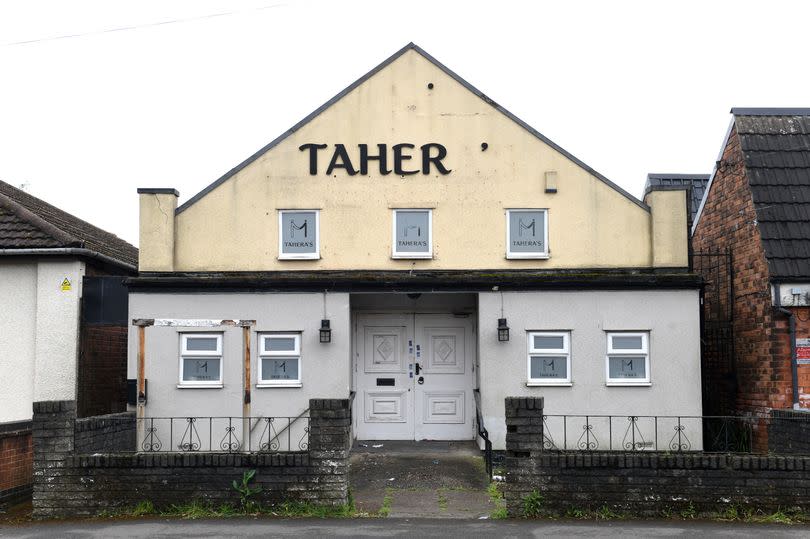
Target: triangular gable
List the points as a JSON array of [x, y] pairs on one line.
[[361, 80]]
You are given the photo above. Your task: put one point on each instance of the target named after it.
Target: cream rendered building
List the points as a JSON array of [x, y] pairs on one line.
[[416, 216]]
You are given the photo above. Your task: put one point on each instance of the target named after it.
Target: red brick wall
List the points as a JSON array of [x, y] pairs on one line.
[[762, 345], [16, 464], [803, 332]]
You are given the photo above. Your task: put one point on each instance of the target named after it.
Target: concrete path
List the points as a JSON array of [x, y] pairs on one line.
[[422, 529], [419, 480]]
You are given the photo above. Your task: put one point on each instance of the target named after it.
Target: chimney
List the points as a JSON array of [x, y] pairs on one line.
[[156, 237], [668, 227]]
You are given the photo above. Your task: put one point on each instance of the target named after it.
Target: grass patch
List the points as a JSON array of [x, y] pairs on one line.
[[533, 504], [385, 509], [143, 508], [606, 513], [442, 501], [496, 497]]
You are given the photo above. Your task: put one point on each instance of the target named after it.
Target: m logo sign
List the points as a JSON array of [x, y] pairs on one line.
[[526, 234], [298, 234]]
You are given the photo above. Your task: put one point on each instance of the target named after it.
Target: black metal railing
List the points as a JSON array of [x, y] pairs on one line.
[[735, 434], [483, 433], [223, 434]]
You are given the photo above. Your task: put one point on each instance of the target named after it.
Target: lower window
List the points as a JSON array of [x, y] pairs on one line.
[[280, 359], [549, 358], [628, 358], [201, 359]]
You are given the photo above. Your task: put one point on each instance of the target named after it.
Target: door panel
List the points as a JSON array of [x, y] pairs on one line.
[[444, 396], [384, 388]]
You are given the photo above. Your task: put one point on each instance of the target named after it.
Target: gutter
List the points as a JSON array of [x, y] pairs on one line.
[[794, 365], [69, 251]]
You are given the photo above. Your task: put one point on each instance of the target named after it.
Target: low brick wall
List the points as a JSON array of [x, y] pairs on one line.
[[16, 462], [789, 432], [68, 483], [644, 484], [106, 433]]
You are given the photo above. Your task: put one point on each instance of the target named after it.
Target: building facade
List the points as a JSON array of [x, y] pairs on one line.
[[53, 267], [413, 244], [757, 211]]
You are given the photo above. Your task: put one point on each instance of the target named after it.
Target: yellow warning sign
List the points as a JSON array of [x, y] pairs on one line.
[[65, 284]]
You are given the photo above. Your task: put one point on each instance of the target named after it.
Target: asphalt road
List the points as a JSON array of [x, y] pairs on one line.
[[422, 529]]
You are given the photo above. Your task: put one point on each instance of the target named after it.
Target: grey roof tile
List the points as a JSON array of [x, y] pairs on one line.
[[776, 147], [29, 222]]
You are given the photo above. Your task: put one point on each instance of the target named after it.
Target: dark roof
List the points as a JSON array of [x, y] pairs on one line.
[[776, 148], [27, 222], [364, 78], [694, 183]]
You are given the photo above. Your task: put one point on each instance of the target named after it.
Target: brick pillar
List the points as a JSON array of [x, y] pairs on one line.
[[524, 426], [53, 437], [524, 444], [329, 445]]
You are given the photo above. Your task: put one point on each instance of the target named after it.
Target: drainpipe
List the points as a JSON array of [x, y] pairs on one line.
[[794, 366]]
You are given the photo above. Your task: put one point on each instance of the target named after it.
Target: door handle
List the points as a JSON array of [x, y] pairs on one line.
[[418, 369], [421, 380]]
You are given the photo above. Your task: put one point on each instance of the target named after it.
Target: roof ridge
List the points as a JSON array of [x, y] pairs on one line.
[[35, 220], [410, 46], [770, 111], [58, 210]]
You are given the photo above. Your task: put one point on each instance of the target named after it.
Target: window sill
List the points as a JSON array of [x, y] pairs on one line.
[[527, 257], [628, 384], [549, 384], [412, 256], [311, 257], [264, 386], [200, 386]]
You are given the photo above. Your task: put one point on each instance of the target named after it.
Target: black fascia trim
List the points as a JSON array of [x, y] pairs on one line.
[[395, 281], [158, 191], [358, 82], [770, 111]]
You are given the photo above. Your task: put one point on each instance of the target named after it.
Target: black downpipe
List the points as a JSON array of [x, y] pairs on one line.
[[794, 366]]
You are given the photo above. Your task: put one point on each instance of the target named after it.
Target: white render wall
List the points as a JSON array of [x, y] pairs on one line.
[[324, 367], [39, 332], [671, 317]]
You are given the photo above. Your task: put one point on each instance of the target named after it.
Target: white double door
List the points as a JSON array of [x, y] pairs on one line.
[[414, 377]]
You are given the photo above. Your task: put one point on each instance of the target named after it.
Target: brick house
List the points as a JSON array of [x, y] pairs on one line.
[[63, 330], [757, 209]]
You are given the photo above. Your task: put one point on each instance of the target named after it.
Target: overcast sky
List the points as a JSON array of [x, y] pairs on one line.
[[174, 94]]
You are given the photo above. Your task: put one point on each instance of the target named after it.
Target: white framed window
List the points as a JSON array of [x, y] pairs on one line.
[[279, 360], [412, 234], [526, 233], [200, 360], [299, 234], [549, 362], [628, 358]]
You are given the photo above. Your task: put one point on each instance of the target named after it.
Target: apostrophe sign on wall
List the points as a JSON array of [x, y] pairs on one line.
[[65, 285]]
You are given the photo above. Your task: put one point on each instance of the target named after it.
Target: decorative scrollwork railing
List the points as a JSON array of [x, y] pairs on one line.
[[223, 434], [565, 432]]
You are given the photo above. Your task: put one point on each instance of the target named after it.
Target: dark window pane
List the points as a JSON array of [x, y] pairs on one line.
[[201, 370], [549, 367], [627, 367]]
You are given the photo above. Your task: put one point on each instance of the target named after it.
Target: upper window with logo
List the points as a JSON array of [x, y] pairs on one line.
[[413, 235], [526, 233], [299, 234]]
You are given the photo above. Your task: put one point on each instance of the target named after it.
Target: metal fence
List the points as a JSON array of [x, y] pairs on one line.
[[224, 434], [634, 433]]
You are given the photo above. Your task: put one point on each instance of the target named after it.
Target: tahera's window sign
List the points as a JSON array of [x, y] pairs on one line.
[[299, 234], [413, 237], [527, 233]]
